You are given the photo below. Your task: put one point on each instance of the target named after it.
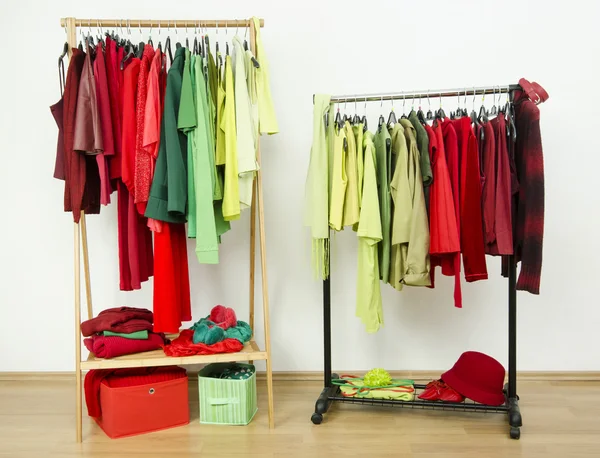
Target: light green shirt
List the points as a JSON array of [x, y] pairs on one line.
[[246, 150], [207, 245], [368, 293], [267, 121], [351, 209], [339, 179], [231, 193]]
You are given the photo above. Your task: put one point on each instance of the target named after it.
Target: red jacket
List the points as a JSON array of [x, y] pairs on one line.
[[445, 242], [471, 221], [502, 241]]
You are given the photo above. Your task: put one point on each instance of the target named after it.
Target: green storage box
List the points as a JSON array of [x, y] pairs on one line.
[[226, 401]]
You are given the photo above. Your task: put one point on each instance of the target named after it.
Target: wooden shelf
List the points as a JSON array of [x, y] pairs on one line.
[[250, 352]]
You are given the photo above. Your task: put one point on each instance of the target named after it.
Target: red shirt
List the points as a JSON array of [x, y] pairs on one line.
[[130, 80]]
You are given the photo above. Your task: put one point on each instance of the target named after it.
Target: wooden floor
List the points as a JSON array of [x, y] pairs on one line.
[[562, 419]]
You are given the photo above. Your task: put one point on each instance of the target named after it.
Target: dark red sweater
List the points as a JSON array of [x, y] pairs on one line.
[[529, 205]]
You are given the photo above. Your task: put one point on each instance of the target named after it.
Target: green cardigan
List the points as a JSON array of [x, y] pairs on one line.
[[168, 194]]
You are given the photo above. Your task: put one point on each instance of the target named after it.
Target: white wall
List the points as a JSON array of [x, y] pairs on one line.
[[317, 46]]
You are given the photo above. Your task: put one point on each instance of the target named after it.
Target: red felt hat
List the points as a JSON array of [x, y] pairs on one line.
[[477, 376]]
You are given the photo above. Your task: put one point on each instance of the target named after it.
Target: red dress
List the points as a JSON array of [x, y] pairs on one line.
[[488, 190], [112, 74], [132, 225]]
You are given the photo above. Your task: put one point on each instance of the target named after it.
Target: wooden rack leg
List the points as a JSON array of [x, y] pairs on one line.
[[86, 266], [263, 260], [265, 295], [252, 258], [77, 269]]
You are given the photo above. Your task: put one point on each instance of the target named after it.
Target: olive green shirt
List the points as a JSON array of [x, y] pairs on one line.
[[382, 142]]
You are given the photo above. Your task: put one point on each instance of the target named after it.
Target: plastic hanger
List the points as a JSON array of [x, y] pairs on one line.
[[168, 44], [356, 118], [392, 117], [420, 114], [63, 54], [483, 113], [339, 123], [429, 115], [364, 118], [440, 114], [403, 107], [381, 118]]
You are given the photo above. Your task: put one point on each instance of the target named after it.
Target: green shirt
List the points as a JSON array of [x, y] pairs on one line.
[[351, 208], [368, 291], [186, 123], [382, 143], [231, 193], [168, 193]]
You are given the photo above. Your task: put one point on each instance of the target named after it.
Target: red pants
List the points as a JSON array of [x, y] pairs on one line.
[[171, 279]]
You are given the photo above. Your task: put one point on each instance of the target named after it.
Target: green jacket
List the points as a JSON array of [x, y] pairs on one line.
[[168, 194]]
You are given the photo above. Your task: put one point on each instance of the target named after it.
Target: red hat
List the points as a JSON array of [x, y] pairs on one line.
[[478, 377]]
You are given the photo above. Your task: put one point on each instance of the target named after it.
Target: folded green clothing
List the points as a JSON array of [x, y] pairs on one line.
[[139, 335], [207, 332]]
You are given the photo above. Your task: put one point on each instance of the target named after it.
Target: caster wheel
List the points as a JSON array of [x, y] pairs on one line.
[[316, 418], [515, 432]]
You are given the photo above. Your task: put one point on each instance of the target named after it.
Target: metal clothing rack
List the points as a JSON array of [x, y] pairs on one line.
[[331, 393], [251, 351]]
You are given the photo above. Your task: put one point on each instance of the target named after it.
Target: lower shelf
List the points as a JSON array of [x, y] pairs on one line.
[[250, 352], [466, 405]]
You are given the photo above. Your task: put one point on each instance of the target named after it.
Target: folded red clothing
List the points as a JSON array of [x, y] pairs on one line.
[[112, 346], [123, 378], [119, 319], [184, 346]]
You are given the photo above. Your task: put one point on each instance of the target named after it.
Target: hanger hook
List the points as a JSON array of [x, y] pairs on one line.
[[428, 99], [217, 27], [365, 108], [89, 26], [474, 94], [465, 99], [403, 102], [440, 100], [381, 104]]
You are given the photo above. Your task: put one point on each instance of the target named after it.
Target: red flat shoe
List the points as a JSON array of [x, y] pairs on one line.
[[432, 391], [450, 395]]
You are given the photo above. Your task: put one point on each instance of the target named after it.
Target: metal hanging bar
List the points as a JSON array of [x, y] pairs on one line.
[[147, 23], [426, 93]]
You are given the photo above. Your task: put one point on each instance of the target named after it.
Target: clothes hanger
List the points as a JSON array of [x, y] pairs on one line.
[[141, 45], [494, 110], [420, 114], [346, 117], [473, 113], [168, 43], [440, 114], [403, 106], [356, 118], [364, 118], [429, 115], [381, 118], [63, 54], [129, 48], [195, 49], [100, 36], [392, 117], [483, 113], [339, 123]]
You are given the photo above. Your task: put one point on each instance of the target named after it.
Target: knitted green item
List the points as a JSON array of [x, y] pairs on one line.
[[377, 377], [206, 332]]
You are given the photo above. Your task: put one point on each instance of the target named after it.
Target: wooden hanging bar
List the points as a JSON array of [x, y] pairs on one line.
[[162, 23], [251, 351]]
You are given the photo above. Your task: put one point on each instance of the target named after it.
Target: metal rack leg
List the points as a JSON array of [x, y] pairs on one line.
[[323, 402], [514, 413]]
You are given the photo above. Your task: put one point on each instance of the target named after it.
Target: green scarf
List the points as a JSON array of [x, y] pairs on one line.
[[317, 189]]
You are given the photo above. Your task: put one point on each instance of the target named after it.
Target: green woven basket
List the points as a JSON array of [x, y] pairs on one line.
[[223, 401]]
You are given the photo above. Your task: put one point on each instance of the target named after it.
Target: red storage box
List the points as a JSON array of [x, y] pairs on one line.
[[139, 404]]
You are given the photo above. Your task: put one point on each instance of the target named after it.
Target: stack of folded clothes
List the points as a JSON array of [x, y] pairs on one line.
[[121, 331]]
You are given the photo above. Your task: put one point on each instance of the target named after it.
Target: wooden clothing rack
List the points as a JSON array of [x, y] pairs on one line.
[[251, 351], [331, 393]]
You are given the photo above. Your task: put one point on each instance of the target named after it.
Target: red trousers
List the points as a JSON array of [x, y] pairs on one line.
[[171, 279]]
